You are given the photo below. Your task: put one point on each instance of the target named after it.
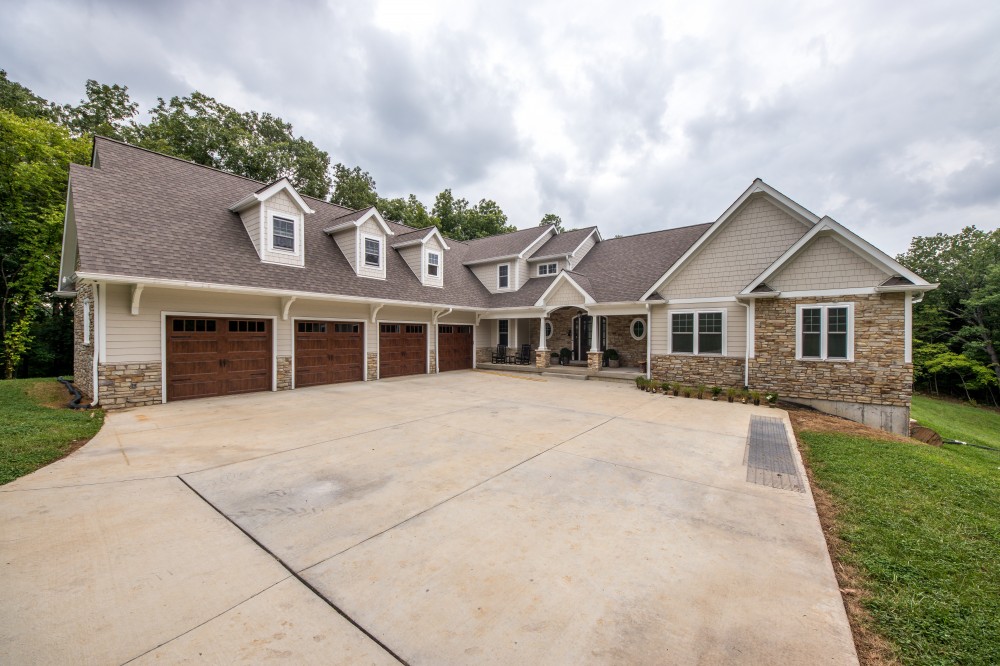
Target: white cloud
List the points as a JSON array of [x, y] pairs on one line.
[[634, 117]]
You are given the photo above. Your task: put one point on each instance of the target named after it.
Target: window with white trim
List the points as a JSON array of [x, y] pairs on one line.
[[637, 328], [282, 233], [433, 264], [373, 252], [698, 332], [548, 329], [824, 332], [503, 276], [503, 331], [548, 269]]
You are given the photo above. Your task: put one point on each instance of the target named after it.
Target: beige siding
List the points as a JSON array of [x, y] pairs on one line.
[[371, 228], [584, 249], [282, 204], [522, 272], [736, 322], [411, 255], [565, 294], [827, 264], [347, 241], [749, 243], [251, 222], [487, 274]]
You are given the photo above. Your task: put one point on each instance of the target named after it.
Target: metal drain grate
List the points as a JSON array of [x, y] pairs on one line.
[[769, 457]]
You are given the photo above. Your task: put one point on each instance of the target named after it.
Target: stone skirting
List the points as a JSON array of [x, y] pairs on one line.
[[723, 371], [129, 384], [372, 366], [484, 355], [877, 375], [83, 354], [432, 362], [284, 373]]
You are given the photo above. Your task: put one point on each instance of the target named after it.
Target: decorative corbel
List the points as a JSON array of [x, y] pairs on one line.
[[136, 297], [375, 310], [286, 305]]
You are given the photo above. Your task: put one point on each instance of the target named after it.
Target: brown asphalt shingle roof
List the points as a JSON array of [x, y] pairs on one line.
[[147, 215], [504, 245]]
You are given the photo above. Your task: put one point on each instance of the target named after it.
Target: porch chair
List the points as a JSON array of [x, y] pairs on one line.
[[524, 356], [500, 355]]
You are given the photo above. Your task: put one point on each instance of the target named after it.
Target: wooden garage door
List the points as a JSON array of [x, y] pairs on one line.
[[214, 356], [328, 352], [454, 348], [402, 349]]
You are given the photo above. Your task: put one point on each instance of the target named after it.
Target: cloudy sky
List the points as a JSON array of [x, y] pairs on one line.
[[632, 116]]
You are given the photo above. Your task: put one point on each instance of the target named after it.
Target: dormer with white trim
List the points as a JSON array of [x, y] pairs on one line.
[[274, 218], [423, 251], [362, 236]]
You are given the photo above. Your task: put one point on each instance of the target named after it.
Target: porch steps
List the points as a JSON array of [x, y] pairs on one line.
[[567, 375]]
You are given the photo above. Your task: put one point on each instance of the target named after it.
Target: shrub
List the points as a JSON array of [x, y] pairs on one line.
[[687, 391], [755, 396], [701, 391], [716, 391], [676, 388], [665, 386], [731, 393], [639, 381]]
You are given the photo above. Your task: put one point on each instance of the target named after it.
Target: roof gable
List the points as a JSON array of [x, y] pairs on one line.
[[757, 189], [356, 219], [268, 191], [506, 246], [420, 237], [565, 280]]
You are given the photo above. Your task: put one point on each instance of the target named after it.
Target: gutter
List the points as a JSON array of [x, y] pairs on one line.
[[746, 346], [649, 341], [96, 344]]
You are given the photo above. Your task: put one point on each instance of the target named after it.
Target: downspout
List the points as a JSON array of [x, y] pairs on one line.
[[94, 340], [437, 338], [746, 347], [649, 342]]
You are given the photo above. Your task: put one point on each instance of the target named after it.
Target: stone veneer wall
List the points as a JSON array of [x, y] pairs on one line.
[[562, 322], [372, 366], [284, 373], [631, 352], [432, 362], [83, 355], [722, 371], [129, 384], [484, 355], [877, 376]]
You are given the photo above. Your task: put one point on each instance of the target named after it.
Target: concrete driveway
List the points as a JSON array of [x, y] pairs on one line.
[[470, 517]]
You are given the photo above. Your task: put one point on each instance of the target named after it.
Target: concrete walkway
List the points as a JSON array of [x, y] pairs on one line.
[[472, 517]]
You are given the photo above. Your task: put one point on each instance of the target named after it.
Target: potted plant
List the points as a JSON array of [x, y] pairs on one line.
[[564, 355], [676, 388], [687, 391], [716, 391], [639, 379], [701, 391], [755, 396], [772, 398], [665, 387], [611, 358], [554, 357], [730, 394]]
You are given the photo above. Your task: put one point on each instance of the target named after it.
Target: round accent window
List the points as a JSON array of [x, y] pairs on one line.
[[638, 328], [548, 329]]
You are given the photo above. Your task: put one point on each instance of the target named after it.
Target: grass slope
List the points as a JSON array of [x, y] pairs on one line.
[[922, 525], [954, 420], [36, 428]]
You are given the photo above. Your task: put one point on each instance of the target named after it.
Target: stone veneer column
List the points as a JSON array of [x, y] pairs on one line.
[[594, 359], [284, 373], [372, 366], [129, 384], [541, 358]]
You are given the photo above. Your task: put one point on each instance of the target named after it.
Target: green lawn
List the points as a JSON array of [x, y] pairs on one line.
[[34, 429], [922, 524]]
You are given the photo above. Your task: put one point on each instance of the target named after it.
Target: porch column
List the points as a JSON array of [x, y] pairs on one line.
[[541, 332], [594, 356]]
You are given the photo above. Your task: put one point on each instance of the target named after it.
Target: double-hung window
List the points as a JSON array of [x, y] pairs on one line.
[[373, 252], [825, 332], [433, 264], [697, 332], [282, 233], [503, 276], [503, 332]]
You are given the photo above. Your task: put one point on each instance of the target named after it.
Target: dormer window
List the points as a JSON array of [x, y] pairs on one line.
[[548, 269], [373, 252], [503, 276], [433, 264], [283, 233]]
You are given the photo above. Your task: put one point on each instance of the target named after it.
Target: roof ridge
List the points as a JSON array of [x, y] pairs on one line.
[[657, 231], [509, 233], [211, 168]]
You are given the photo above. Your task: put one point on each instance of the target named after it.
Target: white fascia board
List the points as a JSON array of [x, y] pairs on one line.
[[548, 257], [543, 236], [374, 214], [433, 231], [260, 197], [239, 289], [930, 286], [626, 308], [585, 239], [758, 186], [525, 312], [564, 276], [68, 218], [490, 260]]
